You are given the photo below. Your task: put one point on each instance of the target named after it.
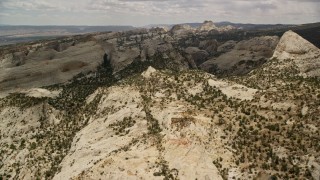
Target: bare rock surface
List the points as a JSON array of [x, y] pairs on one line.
[[128, 120], [129, 153], [40, 92], [227, 46], [234, 90], [245, 56], [198, 56], [47, 67], [161, 124], [181, 30], [207, 26], [210, 46], [304, 54]]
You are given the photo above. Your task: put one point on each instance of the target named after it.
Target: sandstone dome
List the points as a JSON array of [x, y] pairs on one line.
[[207, 26], [303, 53]]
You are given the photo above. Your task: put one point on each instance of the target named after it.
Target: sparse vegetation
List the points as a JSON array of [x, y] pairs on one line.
[[275, 133]]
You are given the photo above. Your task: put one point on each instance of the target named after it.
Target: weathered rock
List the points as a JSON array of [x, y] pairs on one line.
[[210, 46], [227, 46], [294, 44], [191, 62], [207, 26], [26, 123], [244, 57], [135, 31], [121, 59], [198, 56], [263, 44], [161, 124], [47, 67], [113, 155], [158, 30], [177, 61], [151, 47], [191, 50], [304, 54], [181, 30], [19, 58], [314, 167], [227, 28]]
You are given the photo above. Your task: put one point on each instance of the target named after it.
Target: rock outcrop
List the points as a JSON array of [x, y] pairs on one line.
[[207, 26], [46, 66], [210, 46], [304, 54], [150, 47], [110, 115], [124, 143], [181, 30], [158, 30], [162, 124], [227, 46], [198, 56], [244, 57]]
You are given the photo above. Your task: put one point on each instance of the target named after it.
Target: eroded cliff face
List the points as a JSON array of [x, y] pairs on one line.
[[51, 62], [242, 57]]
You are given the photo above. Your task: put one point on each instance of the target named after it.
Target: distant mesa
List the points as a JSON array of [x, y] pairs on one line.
[[158, 30], [181, 27], [205, 27]]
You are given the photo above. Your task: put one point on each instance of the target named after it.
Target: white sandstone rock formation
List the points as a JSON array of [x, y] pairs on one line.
[[181, 30], [40, 92], [100, 151], [233, 90], [207, 26], [304, 54]]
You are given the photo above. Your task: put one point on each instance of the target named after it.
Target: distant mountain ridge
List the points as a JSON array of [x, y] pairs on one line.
[[245, 26], [10, 34], [69, 29]]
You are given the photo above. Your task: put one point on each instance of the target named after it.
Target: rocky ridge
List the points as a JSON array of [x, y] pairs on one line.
[[57, 61], [243, 57], [116, 123], [207, 26]]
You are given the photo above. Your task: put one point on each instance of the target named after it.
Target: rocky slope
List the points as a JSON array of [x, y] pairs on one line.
[[50, 62], [207, 26], [154, 132], [154, 118], [303, 54], [42, 65], [187, 125], [243, 57]]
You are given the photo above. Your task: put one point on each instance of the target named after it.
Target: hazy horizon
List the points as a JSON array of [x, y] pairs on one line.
[[71, 25], [144, 12]]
